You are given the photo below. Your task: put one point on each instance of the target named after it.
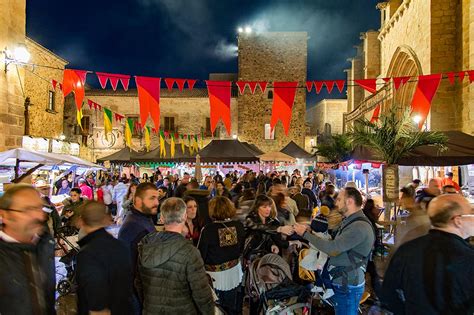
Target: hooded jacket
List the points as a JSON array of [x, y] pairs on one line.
[[172, 278]]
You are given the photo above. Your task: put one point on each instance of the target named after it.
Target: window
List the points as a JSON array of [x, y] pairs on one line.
[[85, 122], [208, 127], [136, 132], [51, 105], [169, 124], [270, 95], [269, 135]]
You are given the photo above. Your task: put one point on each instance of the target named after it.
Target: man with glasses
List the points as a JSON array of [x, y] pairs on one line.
[[434, 274], [27, 275]]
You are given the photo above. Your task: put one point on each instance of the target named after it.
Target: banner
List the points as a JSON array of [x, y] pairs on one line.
[[219, 101], [376, 114], [128, 132], [73, 81], [107, 122], [424, 93], [149, 99], [283, 99]]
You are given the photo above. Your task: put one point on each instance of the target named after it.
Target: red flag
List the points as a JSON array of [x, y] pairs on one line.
[[103, 77], [114, 78], [169, 83], [241, 85], [368, 84], [114, 82], [283, 99], [90, 103], [309, 85], [424, 93], [329, 85], [61, 86], [262, 85], [461, 76], [386, 80], [318, 85], [340, 85], [73, 81], [398, 81], [118, 117], [180, 83], [471, 76], [252, 86], [54, 82], [191, 83], [149, 99], [219, 101], [451, 77], [376, 114], [125, 81]]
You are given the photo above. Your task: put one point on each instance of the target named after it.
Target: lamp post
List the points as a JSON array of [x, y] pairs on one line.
[[19, 55]]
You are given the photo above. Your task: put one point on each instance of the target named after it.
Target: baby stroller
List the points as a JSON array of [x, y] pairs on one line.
[[270, 282], [66, 238]]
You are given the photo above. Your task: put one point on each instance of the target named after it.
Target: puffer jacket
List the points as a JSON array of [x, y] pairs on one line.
[[172, 278], [27, 277]]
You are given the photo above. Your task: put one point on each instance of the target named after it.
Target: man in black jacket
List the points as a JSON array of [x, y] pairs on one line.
[[104, 274], [27, 276], [434, 274]]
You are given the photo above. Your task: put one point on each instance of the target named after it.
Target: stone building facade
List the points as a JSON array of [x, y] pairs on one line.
[[418, 38], [44, 117], [326, 117], [185, 112], [12, 33], [271, 57]]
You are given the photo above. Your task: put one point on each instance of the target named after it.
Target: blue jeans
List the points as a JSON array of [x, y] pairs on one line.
[[346, 300]]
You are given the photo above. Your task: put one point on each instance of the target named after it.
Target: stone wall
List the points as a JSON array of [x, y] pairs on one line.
[[43, 121], [189, 109], [12, 32], [271, 57], [327, 111], [466, 90]]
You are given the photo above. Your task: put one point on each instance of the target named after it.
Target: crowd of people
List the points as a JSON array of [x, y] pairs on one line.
[[184, 246]]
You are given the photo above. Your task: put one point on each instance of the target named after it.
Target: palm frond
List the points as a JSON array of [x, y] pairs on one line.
[[393, 137], [336, 149]]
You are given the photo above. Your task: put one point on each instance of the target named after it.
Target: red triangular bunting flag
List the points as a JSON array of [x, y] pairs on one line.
[[103, 77], [61, 86], [368, 84], [376, 114], [125, 82], [90, 103], [169, 83], [340, 85], [329, 85], [309, 85], [241, 85], [114, 82], [180, 83], [283, 99], [219, 101], [153, 130], [424, 93], [398, 81], [386, 80], [262, 85], [252, 86], [118, 117], [471, 76], [461, 76], [451, 77], [73, 81], [149, 99], [191, 83], [54, 82], [318, 85]]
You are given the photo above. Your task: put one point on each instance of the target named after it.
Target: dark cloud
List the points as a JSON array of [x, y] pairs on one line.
[[191, 38]]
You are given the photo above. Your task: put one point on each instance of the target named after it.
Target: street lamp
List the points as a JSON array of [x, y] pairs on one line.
[[20, 54], [248, 29], [240, 30], [234, 137]]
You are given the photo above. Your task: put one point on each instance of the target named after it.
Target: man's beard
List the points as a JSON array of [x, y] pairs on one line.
[[148, 211], [342, 211]]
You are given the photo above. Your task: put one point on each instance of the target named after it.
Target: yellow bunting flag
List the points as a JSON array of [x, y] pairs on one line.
[[128, 132], [162, 144], [107, 122], [79, 117], [147, 138], [182, 144]]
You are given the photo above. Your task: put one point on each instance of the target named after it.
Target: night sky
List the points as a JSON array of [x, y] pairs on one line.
[[192, 38]]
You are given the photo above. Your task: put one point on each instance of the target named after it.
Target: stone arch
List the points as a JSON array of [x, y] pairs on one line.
[[404, 62]]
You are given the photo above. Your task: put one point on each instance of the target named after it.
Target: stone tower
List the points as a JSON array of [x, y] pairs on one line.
[[271, 57]]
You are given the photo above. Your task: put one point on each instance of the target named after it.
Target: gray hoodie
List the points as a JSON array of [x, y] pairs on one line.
[[357, 236], [172, 278]]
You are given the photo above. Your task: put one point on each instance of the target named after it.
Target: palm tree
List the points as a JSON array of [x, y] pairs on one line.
[[394, 136], [336, 149]]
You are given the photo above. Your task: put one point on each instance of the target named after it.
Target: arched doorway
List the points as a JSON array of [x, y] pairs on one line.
[[404, 63]]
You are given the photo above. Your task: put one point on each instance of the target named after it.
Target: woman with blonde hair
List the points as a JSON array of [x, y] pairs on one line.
[[221, 244]]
